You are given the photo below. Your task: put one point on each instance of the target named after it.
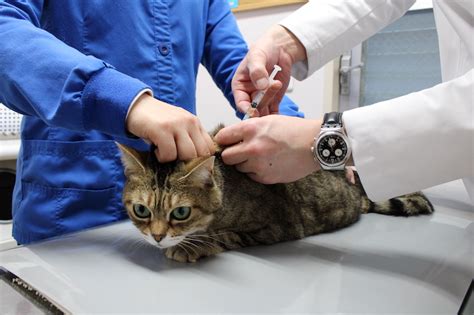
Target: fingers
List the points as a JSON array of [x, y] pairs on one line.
[[183, 146], [242, 88], [177, 133], [270, 104], [166, 148], [235, 155], [190, 143], [230, 135], [209, 142], [256, 64], [202, 142], [350, 176], [242, 100], [187, 147]]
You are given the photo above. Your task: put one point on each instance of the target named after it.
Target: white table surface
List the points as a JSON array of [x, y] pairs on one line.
[[6, 239], [381, 264]]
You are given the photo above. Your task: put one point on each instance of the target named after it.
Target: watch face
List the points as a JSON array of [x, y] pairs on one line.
[[332, 149]]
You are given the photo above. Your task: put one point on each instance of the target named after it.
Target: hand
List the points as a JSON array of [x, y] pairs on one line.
[[271, 149], [176, 133], [277, 46]]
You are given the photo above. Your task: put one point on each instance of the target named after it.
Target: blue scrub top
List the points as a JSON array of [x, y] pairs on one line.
[[73, 68]]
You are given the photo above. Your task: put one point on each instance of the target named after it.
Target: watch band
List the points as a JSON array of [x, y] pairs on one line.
[[332, 119]]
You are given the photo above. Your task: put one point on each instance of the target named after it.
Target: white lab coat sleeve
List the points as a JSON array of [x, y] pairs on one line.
[[328, 28], [415, 141]]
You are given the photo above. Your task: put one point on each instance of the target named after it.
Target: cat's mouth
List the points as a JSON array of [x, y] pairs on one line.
[[166, 242]]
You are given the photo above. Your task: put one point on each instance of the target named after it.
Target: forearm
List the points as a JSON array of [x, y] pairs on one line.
[[414, 141], [48, 79], [286, 40], [327, 28]]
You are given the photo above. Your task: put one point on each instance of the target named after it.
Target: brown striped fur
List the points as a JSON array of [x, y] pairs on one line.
[[230, 211]]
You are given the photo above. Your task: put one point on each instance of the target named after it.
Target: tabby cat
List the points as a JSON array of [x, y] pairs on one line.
[[202, 207]]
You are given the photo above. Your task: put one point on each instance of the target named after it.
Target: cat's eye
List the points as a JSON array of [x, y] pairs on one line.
[[141, 211], [181, 213]]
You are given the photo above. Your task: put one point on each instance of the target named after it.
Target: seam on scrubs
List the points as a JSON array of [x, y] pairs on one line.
[[116, 160], [88, 81], [155, 49], [58, 219], [52, 190], [85, 32], [165, 78], [63, 148]]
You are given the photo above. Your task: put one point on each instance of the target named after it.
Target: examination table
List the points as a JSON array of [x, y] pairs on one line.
[[381, 264]]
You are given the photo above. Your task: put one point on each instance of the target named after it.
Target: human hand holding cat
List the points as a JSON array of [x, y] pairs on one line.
[[176, 133], [270, 149]]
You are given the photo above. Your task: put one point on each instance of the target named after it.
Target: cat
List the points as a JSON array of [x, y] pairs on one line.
[[203, 207]]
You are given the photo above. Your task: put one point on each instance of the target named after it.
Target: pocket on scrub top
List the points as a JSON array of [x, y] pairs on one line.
[[68, 186], [85, 165], [50, 211]]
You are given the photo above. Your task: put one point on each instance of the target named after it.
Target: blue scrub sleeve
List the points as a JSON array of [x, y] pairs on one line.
[[42, 76], [224, 49]]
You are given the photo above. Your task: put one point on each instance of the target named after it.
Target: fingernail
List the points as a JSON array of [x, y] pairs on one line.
[[261, 83]]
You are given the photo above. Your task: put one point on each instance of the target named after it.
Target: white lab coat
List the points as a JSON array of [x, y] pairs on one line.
[[411, 142]]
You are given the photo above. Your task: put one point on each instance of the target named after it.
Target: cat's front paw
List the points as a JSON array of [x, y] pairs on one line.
[[180, 254]]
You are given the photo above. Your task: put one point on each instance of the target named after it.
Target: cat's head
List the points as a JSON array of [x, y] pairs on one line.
[[169, 201]]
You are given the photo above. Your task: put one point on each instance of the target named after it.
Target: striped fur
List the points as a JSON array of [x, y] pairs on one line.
[[229, 211]]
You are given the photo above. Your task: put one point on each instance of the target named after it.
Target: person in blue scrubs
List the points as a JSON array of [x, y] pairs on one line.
[[83, 73]]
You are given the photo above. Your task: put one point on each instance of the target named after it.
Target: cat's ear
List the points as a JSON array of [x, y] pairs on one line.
[[132, 160], [201, 174]]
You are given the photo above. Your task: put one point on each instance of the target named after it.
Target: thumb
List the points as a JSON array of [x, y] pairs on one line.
[[258, 73]]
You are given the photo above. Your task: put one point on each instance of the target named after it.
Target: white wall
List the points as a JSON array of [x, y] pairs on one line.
[[213, 108]]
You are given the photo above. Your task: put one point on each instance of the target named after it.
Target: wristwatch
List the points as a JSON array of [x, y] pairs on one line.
[[331, 147]]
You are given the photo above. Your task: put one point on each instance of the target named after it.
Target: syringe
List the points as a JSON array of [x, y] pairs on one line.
[[260, 94]]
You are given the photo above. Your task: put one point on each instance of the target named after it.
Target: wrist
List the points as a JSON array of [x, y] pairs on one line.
[[105, 100], [133, 103], [287, 41], [311, 127], [134, 119], [332, 149]]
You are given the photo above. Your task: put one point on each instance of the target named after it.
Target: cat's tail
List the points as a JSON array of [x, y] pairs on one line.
[[406, 205]]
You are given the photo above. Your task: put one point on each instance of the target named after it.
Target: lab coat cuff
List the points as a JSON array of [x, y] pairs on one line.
[[361, 155], [302, 69], [106, 100]]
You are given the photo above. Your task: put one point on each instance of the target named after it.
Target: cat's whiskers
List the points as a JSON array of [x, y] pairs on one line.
[[187, 242], [207, 243], [201, 243], [186, 245], [136, 244], [211, 236], [182, 246]]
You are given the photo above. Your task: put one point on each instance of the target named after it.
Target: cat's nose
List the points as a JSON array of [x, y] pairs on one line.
[[158, 237]]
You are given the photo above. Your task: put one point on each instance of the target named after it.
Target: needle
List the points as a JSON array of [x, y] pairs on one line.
[[260, 94]]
